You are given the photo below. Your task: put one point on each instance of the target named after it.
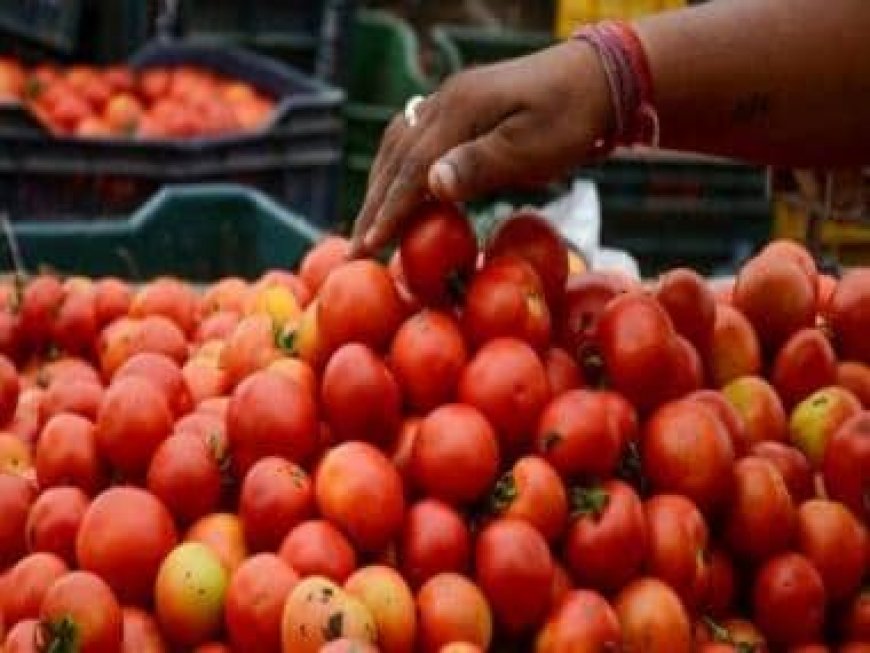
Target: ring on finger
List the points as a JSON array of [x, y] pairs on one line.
[[411, 110]]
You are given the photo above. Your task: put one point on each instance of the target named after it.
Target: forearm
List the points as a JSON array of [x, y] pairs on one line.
[[775, 81]]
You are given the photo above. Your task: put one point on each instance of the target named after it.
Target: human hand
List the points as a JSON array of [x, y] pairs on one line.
[[513, 124]]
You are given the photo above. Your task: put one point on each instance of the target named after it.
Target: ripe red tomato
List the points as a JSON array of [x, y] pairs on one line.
[[721, 586], [54, 521], [209, 428], [804, 364], [270, 415], [855, 377], [579, 434], [735, 350], [67, 454], [255, 601], [788, 600], [563, 374], [17, 495], [123, 537], [9, 389], [434, 540], [185, 474], [112, 299], [515, 571], [40, 302], [74, 329], [141, 632], [686, 450], [427, 357], [451, 608], [27, 421], [322, 259], [390, 601], [506, 381], [582, 623], [27, 584], [760, 407], [653, 619], [79, 397], [358, 302], [360, 491], [165, 374], [169, 298], [836, 543], [225, 296], [532, 490], [161, 335], [728, 416], [317, 548], [133, 420], [224, 535], [733, 634], [506, 299], [792, 465], [855, 621], [687, 298], [846, 466], [79, 611], [586, 296], [216, 326], [455, 456], [636, 339], [23, 637], [848, 315], [361, 400], [249, 348], [530, 236], [606, 545], [760, 505], [686, 369], [276, 496], [439, 253]]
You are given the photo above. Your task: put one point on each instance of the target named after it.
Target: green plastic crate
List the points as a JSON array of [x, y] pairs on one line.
[[463, 46], [199, 233]]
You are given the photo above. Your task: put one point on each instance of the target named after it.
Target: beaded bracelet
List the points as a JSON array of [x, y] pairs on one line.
[[629, 79]]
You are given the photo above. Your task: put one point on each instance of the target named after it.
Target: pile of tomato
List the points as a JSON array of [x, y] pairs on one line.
[[120, 102], [468, 449]]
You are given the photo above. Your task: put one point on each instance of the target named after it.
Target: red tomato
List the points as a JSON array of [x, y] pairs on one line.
[[836, 543], [54, 522], [23, 637], [17, 495], [270, 415], [530, 236], [846, 466], [792, 465], [165, 374], [586, 296], [506, 381], [848, 315], [434, 540], [855, 622], [635, 335], [40, 302], [224, 535], [451, 608], [323, 258], [251, 347], [583, 623], [686, 369], [205, 379], [185, 474], [678, 547], [855, 377], [793, 251], [134, 419], [788, 600], [735, 350], [804, 364], [686, 450], [734, 635], [439, 253], [361, 400], [141, 632], [67, 454], [760, 408], [169, 298], [390, 601], [80, 612], [75, 326], [653, 619], [27, 584], [225, 296], [217, 326], [722, 585], [123, 537], [532, 491], [27, 420], [606, 545], [506, 299], [579, 434], [687, 298], [361, 492], [427, 358], [78, 397], [455, 455], [404, 446], [209, 428], [112, 299], [159, 335], [9, 388], [515, 572], [728, 415], [276, 496], [761, 515], [72, 370], [358, 302], [255, 602], [318, 548], [563, 374]]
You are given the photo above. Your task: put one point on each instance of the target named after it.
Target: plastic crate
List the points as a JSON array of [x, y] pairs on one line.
[[52, 24], [465, 46], [296, 158], [199, 233]]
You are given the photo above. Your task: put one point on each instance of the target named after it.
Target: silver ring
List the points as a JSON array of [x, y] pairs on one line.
[[411, 110]]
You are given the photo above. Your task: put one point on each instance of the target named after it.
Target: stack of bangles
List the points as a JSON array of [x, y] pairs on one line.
[[630, 81]]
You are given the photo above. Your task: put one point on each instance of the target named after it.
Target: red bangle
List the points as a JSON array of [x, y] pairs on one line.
[[629, 79]]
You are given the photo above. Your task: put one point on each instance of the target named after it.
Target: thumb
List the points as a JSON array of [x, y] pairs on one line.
[[472, 169]]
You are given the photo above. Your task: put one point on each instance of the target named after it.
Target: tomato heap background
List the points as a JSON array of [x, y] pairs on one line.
[[469, 449]]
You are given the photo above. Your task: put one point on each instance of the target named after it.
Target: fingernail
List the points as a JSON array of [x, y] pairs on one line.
[[443, 180]]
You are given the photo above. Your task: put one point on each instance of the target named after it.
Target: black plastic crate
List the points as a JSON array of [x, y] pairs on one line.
[[52, 24], [296, 157]]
